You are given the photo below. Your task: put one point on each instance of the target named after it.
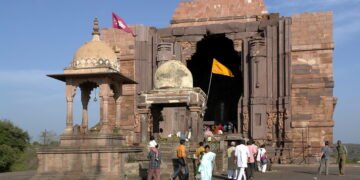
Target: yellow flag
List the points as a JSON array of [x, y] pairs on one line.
[[218, 68]]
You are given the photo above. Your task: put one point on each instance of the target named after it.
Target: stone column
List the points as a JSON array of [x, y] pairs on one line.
[[144, 113], [197, 134], [245, 124], [70, 93], [85, 97], [258, 88], [118, 110], [105, 93]]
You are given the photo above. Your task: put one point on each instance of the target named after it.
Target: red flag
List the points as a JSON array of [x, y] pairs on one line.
[[119, 23]]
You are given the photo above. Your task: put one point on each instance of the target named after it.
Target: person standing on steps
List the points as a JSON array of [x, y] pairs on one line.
[[251, 164], [242, 155], [231, 161], [181, 162], [207, 164], [154, 164]]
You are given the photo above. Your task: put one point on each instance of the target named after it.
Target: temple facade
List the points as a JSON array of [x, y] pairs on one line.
[[161, 81], [282, 92]]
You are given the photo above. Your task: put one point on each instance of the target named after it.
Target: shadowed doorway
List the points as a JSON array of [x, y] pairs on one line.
[[225, 91]]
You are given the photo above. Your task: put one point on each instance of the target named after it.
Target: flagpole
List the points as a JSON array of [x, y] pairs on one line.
[[208, 93]]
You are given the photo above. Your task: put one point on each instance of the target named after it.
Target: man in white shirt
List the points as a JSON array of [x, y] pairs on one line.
[[242, 155]]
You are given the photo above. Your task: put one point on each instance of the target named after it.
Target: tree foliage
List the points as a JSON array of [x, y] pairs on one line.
[[48, 138], [13, 141]]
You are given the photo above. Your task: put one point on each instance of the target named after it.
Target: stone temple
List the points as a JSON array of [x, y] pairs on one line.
[[281, 93]]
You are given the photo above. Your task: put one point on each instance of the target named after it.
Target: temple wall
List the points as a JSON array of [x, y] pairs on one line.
[[136, 62], [125, 44], [312, 100]]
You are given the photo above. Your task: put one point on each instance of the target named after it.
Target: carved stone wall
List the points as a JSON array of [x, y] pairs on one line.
[[312, 99], [296, 103], [137, 61]]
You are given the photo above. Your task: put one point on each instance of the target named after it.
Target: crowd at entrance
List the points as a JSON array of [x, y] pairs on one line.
[[244, 159]]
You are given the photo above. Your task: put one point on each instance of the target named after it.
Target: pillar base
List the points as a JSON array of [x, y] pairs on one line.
[[68, 130], [105, 129], [85, 140], [103, 163]]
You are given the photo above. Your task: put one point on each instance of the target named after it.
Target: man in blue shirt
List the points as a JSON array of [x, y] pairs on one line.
[[325, 157]]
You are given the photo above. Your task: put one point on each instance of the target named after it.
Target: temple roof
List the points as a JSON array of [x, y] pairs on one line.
[[208, 10]]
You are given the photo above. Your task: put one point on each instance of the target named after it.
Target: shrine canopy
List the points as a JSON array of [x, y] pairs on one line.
[[94, 59]]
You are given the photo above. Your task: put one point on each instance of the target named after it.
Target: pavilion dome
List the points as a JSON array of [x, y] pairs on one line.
[[95, 53]]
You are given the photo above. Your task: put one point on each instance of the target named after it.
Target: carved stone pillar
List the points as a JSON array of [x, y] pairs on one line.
[[281, 125], [85, 97], [245, 124], [144, 113], [258, 87], [118, 111], [286, 129], [197, 124], [105, 94], [164, 52], [257, 56], [70, 93]]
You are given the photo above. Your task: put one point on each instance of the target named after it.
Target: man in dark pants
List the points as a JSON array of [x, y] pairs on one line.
[[181, 163], [251, 162], [342, 153]]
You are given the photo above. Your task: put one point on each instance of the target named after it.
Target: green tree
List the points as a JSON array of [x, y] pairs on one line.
[[13, 141], [48, 138]]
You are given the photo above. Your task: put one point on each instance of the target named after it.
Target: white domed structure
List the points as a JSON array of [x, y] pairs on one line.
[[173, 74], [95, 54]]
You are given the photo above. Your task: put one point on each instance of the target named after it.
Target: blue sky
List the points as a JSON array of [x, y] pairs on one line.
[[39, 37]]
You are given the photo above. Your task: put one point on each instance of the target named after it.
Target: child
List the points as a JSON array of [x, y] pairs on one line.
[[152, 145]]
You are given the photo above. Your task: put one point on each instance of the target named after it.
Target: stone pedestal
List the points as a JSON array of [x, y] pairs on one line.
[[75, 162]]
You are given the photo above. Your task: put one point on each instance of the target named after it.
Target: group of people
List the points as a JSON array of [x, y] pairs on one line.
[[326, 152], [210, 131], [243, 160], [204, 166]]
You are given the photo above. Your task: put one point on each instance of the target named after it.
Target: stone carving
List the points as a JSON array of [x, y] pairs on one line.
[[245, 117], [173, 74], [165, 52], [150, 123], [94, 62], [187, 49], [257, 47], [238, 45], [137, 123], [270, 120], [281, 120]]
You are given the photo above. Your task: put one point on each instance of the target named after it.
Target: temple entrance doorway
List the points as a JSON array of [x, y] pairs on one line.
[[223, 92]]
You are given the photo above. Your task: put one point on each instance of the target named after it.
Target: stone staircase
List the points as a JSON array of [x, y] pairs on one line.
[[168, 159]]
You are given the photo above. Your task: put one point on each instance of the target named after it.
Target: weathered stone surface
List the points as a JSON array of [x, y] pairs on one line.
[[212, 11], [303, 114], [173, 74], [312, 98]]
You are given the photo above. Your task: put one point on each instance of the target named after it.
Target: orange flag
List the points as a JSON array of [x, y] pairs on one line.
[[218, 68]]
